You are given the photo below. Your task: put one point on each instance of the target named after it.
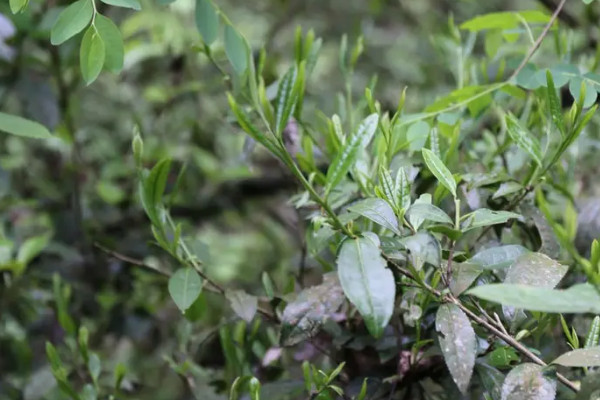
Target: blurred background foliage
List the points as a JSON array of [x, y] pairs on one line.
[[67, 203]]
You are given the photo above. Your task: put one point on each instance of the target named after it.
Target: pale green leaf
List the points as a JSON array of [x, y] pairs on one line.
[[440, 171], [346, 157], [402, 187], [378, 211], [505, 20], [236, 50], [498, 257], [580, 358], [207, 21], [507, 188], [113, 43], [463, 276], [528, 382], [423, 248], [524, 139], [491, 378], [185, 286], [417, 135], [581, 298], [18, 126], [428, 212], [243, 304], [133, 4], [458, 343], [91, 55], [554, 106], [17, 6], [366, 281], [590, 91], [31, 248], [285, 100], [71, 21], [485, 217]]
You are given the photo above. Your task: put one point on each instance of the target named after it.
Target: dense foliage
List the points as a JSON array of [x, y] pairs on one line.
[[299, 200]]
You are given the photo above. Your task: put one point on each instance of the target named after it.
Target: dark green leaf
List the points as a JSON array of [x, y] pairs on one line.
[[185, 286], [133, 4], [285, 100], [23, 127], [91, 55], [345, 159], [423, 248], [113, 43], [458, 343], [503, 357], [207, 21], [491, 379], [378, 211], [71, 21], [554, 105], [154, 188], [236, 50], [439, 170], [366, 281], [590, 387], [498, 257], [581, 298], [463, 276]]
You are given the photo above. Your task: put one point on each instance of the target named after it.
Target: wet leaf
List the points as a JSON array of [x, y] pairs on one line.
[[423, 248], [243, 304], [378, 211], [528, 382], [303, 317], [581, 298], [458, 343], [366, 281], [498, 257], [580, 358]]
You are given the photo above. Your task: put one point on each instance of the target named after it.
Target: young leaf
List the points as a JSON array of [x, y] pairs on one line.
[[18, 126], [402, 187], [528, 382], [388, 188], [243, 304], [498, 257], [17, 6], [113, 43], [285, 100], [366, 281], [378, 211], [133, 4], [554, 105], [439, 170], [347, 156], [207, 21], [591, 340], [71, 21], [153, 188], [524, 139], [458, 343], [91, 55], [485, 217], [580, 358], [303, 317], [429, 212], [581, 298], [236, 50], [423, 248], [185, 286]]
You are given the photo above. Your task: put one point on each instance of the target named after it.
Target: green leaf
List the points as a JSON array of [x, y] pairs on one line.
[[554, 105], [580, 358], [366, 281], [457, 342], [71, 21], [303, 317], [388, 188], [285, 100], [507, 188], [23, 127], [524, 139], [236, 50], [485, 217], [133, 4], [94, 366], [528, 382], [207, 21], [378, 211], [18, 5], [590, 387], [423, 248], [113, 43], [91, 55], [402, 187], [593, 336], [428, 212], [31, 248], [491, 379], [498, 257], [185, 286], [590, 91], [243, 304], [439, 170], [504, 20], [503, 357], [581, 298], [463, 276], [417, 135], [153, 189], [345, 158]]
